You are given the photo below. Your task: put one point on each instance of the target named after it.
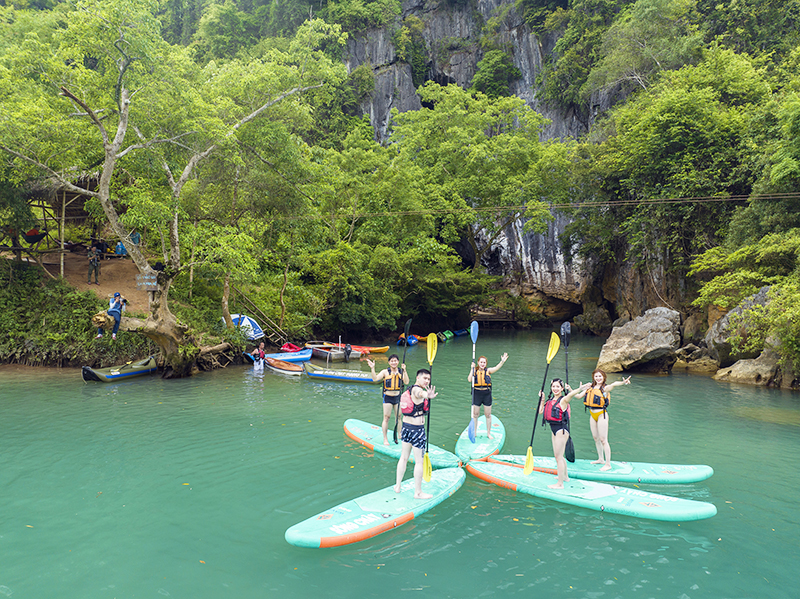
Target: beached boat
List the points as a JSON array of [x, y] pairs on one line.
[[364, 349], [461, 332], [117, 373], [284, 367], [325, 350]]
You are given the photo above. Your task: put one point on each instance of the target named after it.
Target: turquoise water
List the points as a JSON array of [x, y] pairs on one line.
[[152, 488]]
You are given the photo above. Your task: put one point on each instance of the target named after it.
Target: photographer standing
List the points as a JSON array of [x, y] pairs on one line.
[[94, 264], [116, 306]]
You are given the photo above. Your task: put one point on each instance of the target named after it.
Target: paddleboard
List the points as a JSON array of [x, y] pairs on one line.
[[594, 495], [372, 514], [628, 472], [371, 437], [483, 447]]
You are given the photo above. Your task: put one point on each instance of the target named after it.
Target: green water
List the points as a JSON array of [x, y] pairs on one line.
[[152, 488]]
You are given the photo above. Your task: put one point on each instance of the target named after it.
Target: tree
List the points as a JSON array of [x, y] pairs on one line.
[[479, 161], [124, 86], [649, 37]]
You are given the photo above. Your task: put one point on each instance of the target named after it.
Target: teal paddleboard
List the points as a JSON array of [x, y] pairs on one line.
[[371, 437], [594, 495], [483, 447], [372, 514], [628, 472]]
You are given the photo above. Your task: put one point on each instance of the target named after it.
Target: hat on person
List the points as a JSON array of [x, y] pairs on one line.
[[117, 294]]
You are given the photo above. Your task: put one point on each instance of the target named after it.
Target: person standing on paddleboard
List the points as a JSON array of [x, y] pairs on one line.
[[596, 399], [556, 413], [415, 404], [394, 379], [482, 390]]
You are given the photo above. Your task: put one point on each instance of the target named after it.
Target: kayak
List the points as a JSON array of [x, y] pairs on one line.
[[441, 336], [116, 373], [460, 332], [300, 356], [291, 347], [483, 447], [371, 437], [448, 334], [284, 367], [629, 472], [330, 374], [412, 340], [374, 513], [594, 495]]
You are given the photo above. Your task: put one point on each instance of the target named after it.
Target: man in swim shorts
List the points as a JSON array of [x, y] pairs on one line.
[[415, 404], [394, 378]]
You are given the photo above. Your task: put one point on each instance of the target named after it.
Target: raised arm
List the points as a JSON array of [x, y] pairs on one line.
[[376, 376], [503, 359], [626, 381], [580, 391]]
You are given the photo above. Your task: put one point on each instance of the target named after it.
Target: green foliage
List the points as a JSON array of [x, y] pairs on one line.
[[687, 136], [582, 28], [410, 47], [754, 27], [495, 74], [740, 273], [648, 37], [48, 322], [776, 325], [357, 15], [354, 297]]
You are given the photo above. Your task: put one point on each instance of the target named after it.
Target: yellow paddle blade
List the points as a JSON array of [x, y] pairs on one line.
[[555, 343], [528, 462], [426, 468], [432, 342]]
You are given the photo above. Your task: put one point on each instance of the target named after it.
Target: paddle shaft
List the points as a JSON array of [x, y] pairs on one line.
[[402, 382], [539, 404]]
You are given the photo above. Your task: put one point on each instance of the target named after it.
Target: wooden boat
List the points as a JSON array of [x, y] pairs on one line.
[[330, 374], [117, 373], [300, 356], [283, 367], [325, 350], [364, 349]]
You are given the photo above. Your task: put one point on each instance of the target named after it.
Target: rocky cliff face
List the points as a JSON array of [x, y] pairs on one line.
[[452, 36], [532, 265]]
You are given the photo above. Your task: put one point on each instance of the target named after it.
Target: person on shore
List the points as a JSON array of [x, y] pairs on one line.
[[136, 237], [259, 351], [120, 250], [116, 306], [415, 404], [481, 380], [394, 378], [596, 399], [556, 412], [93, 256]]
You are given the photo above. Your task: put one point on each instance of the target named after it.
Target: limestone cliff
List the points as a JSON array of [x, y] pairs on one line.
[[532, 265]]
